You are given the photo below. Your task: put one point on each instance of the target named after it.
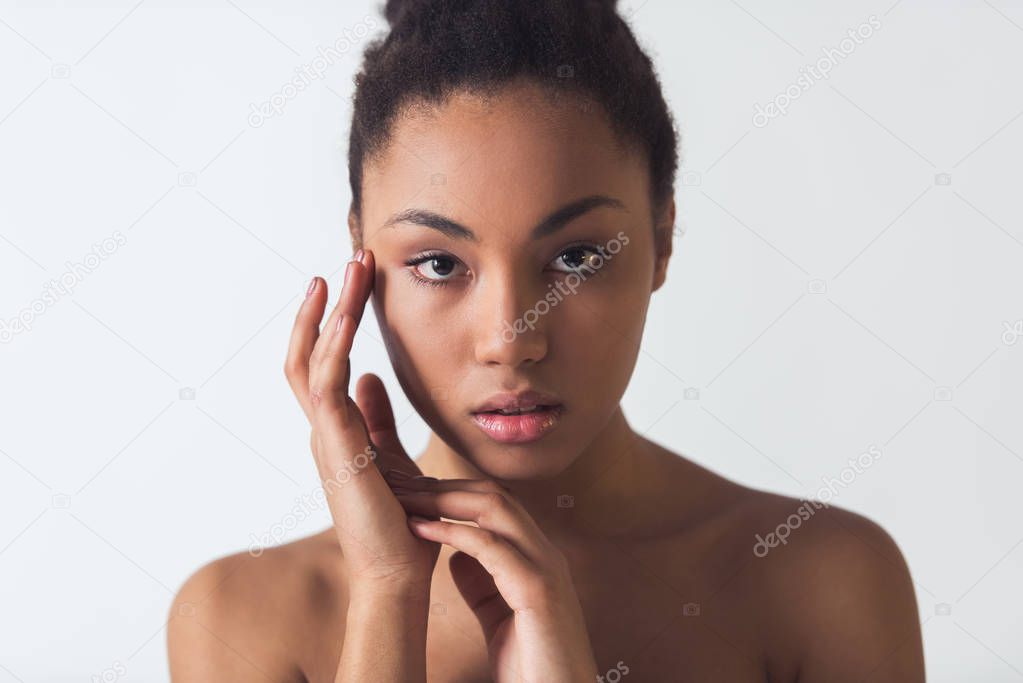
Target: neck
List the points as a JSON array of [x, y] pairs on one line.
[[589, 498]]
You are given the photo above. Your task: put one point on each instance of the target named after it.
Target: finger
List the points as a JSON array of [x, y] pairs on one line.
[[304, 334], [371, 399], [492, 511], [514, 576], [357, 284], [351, 288], [328, 380], [437, 485], [479, 591]]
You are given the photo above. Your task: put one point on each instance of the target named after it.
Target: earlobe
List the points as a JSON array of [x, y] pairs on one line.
[[663, 238], [354, 230]]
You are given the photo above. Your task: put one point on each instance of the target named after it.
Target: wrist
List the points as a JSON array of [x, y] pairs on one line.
[[390, 591]]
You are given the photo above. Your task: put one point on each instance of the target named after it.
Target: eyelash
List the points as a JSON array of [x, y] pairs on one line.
[[431, 255]]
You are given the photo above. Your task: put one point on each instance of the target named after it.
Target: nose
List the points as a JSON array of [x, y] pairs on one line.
[[512, 324]]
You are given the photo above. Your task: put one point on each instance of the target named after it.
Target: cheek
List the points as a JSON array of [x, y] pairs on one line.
[[422, 336]]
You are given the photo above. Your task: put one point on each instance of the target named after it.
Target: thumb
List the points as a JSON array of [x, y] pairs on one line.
[[372, 401], [479, 592]]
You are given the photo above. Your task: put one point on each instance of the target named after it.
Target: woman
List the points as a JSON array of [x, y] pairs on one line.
[[512, 168]]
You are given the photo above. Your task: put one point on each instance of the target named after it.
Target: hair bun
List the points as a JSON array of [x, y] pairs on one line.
[[394, 10]]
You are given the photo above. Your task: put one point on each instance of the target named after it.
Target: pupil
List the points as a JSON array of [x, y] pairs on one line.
[[576, 261], [440, 270]]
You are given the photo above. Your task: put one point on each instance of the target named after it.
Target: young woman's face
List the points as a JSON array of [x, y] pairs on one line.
[[499, 298]]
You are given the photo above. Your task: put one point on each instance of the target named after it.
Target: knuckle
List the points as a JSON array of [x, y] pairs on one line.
[[491, 486], [541, 589], [496, 502], [488, 541], [560, 562], [293, 367], [495, 505]]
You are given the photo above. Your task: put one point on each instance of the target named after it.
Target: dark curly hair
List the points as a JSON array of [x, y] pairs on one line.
[[584, 47]]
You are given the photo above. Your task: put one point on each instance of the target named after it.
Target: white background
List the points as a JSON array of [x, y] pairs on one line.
[[134, 117]]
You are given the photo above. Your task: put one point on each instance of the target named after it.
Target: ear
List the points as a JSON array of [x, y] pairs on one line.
[[664, 233], [354, 230]]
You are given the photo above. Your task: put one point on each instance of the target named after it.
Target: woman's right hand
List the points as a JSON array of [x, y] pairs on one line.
[[353, 442]]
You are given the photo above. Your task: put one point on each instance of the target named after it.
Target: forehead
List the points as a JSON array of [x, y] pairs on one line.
[[506, 159]]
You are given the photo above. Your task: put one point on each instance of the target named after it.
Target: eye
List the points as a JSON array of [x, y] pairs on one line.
[[579, 259], [433, 268]]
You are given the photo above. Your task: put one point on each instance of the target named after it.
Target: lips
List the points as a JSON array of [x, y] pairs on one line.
[[515, 418], [518, 402]]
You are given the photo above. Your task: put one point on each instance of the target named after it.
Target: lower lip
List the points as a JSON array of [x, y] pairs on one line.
[[518, 428]]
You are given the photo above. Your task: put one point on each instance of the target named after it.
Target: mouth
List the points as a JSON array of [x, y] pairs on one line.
[[518, 418]]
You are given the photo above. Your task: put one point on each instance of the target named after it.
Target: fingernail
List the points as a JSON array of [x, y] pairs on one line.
[[312, 286], [397, 474], [358, 256], [348, 273], [340, 318]]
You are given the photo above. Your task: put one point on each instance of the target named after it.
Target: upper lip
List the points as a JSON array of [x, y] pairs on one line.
[[522, 400]]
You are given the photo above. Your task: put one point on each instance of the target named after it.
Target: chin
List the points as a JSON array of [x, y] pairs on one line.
[[543, 459]]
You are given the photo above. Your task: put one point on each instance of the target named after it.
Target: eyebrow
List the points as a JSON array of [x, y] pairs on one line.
[[551, 224]]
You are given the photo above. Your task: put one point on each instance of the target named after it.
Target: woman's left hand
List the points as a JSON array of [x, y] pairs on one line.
[[513, 578]]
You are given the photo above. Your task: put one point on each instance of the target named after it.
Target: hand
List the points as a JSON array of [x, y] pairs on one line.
[[517, 583], [350, 440]]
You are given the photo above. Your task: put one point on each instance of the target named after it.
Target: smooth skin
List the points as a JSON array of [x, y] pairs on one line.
[[647, 573]]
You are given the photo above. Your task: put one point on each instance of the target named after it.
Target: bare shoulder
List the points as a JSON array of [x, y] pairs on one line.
[[258, 615], [841, 588], [828, 588]]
